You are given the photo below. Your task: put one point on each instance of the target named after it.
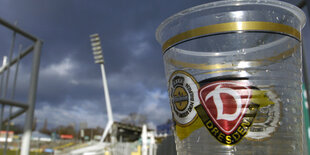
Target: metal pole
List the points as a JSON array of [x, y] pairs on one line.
[[18, 30], [144, 139], [1, 89], [31, 98], [8, 70], [15, 114], [106, 94], [13, 103], [11, 107], [97, 51], [7, 133], [106, 130], [305, 73], [108, 104], [23, 54], [7, 80], [152, 143]]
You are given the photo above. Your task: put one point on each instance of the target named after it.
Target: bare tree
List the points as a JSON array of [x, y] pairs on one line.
[[44, 129], [135, 119], [65, 130]]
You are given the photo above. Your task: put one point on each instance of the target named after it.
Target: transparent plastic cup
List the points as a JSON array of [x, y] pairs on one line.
[[233, 71]]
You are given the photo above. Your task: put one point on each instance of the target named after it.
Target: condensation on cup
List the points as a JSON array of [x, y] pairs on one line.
[[233, 71]]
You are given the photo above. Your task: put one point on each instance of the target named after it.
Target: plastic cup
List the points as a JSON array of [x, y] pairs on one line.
[[233, 71]]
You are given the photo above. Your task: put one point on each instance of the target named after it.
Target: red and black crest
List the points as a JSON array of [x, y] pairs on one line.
[[226, 109]]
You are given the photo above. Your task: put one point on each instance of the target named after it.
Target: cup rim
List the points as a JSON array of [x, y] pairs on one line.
[[284, 5], [233, 52]]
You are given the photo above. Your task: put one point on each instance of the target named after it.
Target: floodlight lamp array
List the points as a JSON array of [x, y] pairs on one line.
[[96, 47]]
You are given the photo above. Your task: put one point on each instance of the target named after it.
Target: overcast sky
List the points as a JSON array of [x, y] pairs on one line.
[[70, 88]]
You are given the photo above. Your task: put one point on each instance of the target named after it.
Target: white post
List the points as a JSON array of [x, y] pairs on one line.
[[106, 94], [31, 99], [4, 63], [144, 140], [97, 51], [106, 131], [152, 143], [108, 104]]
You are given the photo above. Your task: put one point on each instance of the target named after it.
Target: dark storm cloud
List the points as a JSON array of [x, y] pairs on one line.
[[68, 77]]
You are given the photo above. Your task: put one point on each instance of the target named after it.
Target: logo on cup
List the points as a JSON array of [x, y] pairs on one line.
[[183, 90], [268, 116], [226, 109]]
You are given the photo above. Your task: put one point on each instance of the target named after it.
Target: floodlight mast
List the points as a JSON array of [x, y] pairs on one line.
[[98, 56]]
